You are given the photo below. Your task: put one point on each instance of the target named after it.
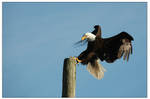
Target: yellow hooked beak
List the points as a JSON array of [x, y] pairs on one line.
[[83, 38]]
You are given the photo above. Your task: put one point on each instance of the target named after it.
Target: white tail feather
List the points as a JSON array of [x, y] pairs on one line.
[[96, 69]]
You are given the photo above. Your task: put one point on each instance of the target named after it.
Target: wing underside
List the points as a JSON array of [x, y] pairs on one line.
[[118, 46]]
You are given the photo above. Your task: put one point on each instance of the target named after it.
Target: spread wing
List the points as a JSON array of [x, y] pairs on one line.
[[97, 31], [118, 46]]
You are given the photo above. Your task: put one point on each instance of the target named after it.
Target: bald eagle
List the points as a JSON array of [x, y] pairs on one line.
[[104, 49]]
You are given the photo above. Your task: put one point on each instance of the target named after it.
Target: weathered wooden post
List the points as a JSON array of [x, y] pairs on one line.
[[69, 77]]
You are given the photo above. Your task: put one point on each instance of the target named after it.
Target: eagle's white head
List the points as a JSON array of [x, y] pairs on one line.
[[89, 36]]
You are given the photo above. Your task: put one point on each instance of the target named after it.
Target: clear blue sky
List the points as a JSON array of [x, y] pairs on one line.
[[38, 36]]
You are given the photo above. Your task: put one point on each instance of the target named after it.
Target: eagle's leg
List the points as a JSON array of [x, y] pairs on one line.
[[80, 58], [84, 59], [78, 61], [88, 58]]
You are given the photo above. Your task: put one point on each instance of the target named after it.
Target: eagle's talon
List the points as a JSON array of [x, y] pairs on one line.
[[78, 61]]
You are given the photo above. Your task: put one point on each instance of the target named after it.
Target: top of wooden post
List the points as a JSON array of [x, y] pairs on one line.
[[69, 77]]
